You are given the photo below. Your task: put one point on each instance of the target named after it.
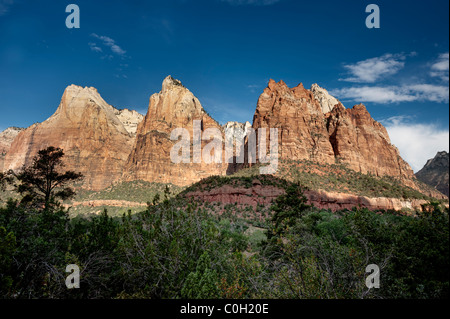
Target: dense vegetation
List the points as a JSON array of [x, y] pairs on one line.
[[181, 249], [178, 250]]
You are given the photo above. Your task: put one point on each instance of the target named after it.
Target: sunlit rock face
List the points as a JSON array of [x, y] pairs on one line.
[[95, 141]]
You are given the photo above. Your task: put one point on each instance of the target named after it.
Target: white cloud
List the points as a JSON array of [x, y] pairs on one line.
[[394, 94], [251, 2], [4, 6], [94, 47], [440, 67], [371, 70], [417, 142], [108, 42]]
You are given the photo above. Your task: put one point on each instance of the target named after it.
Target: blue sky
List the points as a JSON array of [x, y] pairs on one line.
[[225, 51]]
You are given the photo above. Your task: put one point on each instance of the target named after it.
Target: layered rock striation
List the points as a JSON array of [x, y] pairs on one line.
[[300, 121], [313, 125]]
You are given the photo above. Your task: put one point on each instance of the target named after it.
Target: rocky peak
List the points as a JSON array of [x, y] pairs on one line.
[[237, 125], [436, 172], [174, 106], [78, 101], [299, 119], [327, 101], [441, 159], [169, 83], [78, 92], [363, 143], [94, 140]]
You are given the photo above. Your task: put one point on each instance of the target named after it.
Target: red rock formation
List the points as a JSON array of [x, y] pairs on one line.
[[264, 195], [105, 145], [350, 136], [94, 140], [174, 107], [364, 143], [299, 119]]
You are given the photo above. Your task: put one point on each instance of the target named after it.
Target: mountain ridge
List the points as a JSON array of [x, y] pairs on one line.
[[109, 145], [436, 172]]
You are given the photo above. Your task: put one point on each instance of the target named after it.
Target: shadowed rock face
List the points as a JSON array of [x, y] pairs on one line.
[[364, 143], [95, 142], [436, 172], [174, 107]]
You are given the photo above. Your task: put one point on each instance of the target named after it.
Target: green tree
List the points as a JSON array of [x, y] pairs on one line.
[[288, 208], [42, 183], [203, 283], [7, 249]]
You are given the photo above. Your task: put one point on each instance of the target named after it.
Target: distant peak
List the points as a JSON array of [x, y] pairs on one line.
[[326, 100]]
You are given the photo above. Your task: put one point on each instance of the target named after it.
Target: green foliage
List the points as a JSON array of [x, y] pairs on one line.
[[203, 283], [339, 178], [180, 249], [7, 250], [237, 180], [288, 208], [324, 255]]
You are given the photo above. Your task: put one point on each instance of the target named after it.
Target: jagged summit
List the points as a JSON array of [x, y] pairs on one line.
[[109, 145], [174, 104], [174, 107]]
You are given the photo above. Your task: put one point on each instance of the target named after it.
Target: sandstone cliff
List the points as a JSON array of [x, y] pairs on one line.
[[299, 119], [363, 143], [6, 139], [95, 141], [174, 107], [313, 125], [108, 145]]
